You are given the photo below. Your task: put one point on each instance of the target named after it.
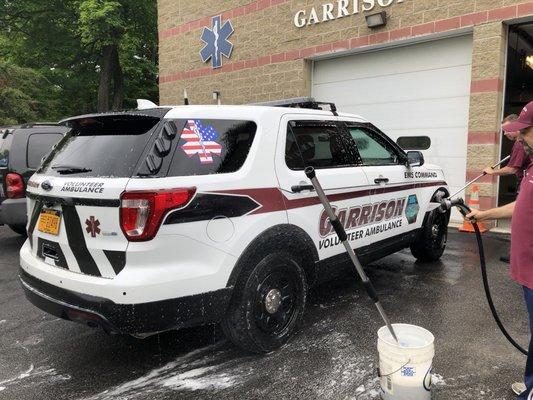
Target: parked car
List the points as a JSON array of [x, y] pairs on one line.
[[163, 218], [21, 151]]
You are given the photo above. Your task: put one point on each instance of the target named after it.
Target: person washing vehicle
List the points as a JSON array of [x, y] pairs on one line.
[[519, 160], [521, 212], [517, 164]]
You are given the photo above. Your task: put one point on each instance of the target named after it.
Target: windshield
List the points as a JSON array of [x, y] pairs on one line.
[[106, 146]]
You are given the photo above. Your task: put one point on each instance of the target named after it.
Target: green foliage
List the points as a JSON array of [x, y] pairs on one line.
[[25, 95], [101, 22], [57, 46]]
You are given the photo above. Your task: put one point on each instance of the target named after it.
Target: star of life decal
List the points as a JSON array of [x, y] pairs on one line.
[[216, 41], [200, 140]]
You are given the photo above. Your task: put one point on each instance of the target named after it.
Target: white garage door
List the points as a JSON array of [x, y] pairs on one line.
[[417, 90]]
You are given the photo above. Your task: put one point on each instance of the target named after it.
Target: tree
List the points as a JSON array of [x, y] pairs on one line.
[[25, 95], [96, 54], [115, 28]]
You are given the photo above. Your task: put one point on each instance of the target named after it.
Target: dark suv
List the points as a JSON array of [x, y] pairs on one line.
[[21, 151]]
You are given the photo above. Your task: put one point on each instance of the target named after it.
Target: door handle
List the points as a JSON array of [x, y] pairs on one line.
[[301, 188], [379, 181]]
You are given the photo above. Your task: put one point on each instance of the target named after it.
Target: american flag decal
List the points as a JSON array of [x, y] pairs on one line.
[[200, 140]]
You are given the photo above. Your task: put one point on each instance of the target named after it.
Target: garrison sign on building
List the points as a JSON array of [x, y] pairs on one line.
[[427, 72]]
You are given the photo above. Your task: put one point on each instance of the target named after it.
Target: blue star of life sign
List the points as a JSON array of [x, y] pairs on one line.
[[216, 42]]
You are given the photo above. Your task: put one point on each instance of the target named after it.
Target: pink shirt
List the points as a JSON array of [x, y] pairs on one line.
[[522, 233]]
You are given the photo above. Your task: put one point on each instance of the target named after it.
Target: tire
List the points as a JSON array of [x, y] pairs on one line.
[[20, 229], [431, 242], [268, 304]]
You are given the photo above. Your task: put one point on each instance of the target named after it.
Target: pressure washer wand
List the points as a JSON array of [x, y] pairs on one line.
[[341, 233], [479, 177]]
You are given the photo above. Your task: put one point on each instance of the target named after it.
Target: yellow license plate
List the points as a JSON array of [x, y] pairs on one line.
[[49, 222]]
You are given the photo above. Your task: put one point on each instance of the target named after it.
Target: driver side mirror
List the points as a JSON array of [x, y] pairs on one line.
[[415, 158]]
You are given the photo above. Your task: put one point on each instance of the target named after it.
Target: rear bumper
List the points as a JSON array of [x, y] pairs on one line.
[[13, 212], [126, 318]]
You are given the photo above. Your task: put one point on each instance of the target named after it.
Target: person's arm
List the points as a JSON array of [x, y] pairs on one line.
[[502, 171], [504, 212], [516, 162]]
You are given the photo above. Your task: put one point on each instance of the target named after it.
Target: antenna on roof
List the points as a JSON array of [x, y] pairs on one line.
[[143, 104], [185, 97]]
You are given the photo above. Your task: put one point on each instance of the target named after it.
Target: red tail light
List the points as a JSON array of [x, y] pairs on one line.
[[141, 213], [14, 186]]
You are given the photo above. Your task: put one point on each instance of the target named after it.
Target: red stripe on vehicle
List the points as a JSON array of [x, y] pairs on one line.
[[273, 199]]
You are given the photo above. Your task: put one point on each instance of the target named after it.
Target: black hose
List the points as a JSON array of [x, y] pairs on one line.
[[465, 210]]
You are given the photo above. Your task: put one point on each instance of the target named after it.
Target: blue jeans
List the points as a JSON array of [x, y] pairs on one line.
[[528, 377]]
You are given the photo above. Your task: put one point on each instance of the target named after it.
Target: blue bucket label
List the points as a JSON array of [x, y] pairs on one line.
[[408, 371]]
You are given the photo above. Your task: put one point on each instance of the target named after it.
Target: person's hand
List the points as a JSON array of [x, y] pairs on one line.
[[488, 171], [475, 215]]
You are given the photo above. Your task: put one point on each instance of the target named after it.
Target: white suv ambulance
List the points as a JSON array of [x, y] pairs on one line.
[[163, 218]]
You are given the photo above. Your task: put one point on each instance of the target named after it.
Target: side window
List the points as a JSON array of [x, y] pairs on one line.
[[317, 144], [212, 147], [372, 149], [39, 144]]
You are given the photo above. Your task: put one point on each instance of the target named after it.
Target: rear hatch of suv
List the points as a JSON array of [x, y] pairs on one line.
[[74, 198], [5, 145]]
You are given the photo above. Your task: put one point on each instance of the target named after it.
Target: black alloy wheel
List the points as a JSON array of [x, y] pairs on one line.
[[268, 303], [275, 302], [431, 241], [439, 231]]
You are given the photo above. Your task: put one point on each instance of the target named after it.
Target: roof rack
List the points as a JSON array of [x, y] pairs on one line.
[[301, 102], [32, 124]]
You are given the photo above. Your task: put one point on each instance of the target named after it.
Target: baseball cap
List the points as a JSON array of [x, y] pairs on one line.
[[525, 119]]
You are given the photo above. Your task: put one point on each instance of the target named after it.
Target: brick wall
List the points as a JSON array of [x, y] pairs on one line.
[[269, 57], [488, 69]]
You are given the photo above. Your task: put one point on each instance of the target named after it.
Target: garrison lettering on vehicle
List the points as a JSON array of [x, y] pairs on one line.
[[389, 212]]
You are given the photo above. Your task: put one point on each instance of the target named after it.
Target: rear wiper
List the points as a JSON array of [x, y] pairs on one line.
[[70, 169]]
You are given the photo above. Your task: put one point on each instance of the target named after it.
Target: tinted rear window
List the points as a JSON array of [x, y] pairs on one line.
[[210, 146], [108, 146], [5, 145], [39, 144]]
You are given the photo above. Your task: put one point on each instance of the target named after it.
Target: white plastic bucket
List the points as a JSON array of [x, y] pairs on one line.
[[405, 370]]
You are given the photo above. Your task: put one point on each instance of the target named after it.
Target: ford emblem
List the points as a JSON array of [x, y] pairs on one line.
[[46, 185]]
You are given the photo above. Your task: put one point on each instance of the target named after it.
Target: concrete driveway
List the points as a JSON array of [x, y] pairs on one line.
[[333, 357]]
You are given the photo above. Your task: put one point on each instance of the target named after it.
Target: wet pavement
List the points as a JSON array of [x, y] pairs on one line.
[[332, 357]]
